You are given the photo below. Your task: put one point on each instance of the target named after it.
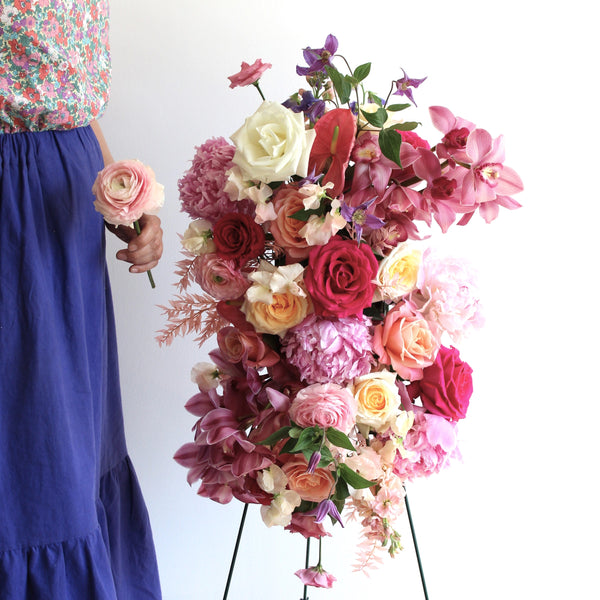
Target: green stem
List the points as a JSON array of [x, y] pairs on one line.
[[306, 561], [138, 230], [255, 84], [414, 538], [235, 551]]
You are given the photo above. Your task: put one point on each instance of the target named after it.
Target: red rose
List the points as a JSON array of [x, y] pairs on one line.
[[446, 386], [339, 277], [238, 238]]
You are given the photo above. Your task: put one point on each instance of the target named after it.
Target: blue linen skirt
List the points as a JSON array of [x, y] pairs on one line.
[[73, 524]]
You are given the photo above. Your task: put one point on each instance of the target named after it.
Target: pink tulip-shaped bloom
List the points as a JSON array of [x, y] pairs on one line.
[[489, 183]]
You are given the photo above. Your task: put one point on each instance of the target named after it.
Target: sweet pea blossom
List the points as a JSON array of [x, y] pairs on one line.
[[197, 238]]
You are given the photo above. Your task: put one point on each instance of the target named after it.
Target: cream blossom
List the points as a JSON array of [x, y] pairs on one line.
[[272, 480], [320, 229], [279, 512], [273, 144], [398, 272], [313, 193], [269, 280], [378, 399], [197, 238], [206, 376]]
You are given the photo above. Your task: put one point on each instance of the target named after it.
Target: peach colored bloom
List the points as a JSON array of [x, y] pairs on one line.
[[286, 310], [405, 342], [311, 487], [378, 399], [285, 229], [397, 274]]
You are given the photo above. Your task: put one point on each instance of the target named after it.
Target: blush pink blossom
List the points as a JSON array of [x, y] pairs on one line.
[[220, 277], [324, 405], [316, 577], [125, 190], [248, 74]]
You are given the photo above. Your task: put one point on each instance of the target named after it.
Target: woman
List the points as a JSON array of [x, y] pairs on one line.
[[73, 524]]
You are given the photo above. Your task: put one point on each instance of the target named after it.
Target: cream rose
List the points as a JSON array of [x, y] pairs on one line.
[[378, 399], [273, 144], [397, 274], [285, 311]]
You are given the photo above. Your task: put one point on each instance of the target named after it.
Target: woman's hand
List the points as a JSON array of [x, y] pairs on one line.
[[143, 251]]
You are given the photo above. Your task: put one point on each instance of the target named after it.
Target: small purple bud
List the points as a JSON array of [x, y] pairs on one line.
[[313, 462]]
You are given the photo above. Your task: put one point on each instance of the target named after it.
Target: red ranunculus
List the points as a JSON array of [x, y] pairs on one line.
[[446, 386], [238, 238], [339, 277]]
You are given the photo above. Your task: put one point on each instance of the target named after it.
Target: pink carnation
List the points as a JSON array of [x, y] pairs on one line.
[[330, 349], [431, 442], [248, 74], [316, 577], [202, 187]]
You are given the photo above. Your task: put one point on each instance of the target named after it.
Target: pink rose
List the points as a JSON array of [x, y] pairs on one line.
[[316, 577], [339, 277], [248, 74], [246, 347], [446, 386], [125, 190], [324, 405], [405, 342], [285, 229], [220, 277]]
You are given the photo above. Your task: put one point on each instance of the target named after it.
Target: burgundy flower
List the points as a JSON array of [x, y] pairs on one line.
[[238, 238]]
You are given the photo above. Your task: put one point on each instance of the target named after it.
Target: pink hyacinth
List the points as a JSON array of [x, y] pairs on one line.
[[202, 187], [330, 349]]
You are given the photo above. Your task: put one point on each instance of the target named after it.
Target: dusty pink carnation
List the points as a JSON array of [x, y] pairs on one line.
[[202, 187], [316, 577], [248, 74], [447, 296], [431, 443], [330, 349], [324, 405]]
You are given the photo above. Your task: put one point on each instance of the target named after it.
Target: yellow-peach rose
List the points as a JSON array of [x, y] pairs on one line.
[[397, 274], [286, 311], [311, 487], [378, 399]]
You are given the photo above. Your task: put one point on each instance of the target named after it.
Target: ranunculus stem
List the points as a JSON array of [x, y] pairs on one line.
[[138, 231]]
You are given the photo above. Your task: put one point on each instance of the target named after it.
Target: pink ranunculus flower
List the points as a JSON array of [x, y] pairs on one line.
[[125, 190], [248, 74], [405, 341], [324, 405], [316, 577], [220, 277]]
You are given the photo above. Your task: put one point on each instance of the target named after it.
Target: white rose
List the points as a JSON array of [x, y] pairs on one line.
[[397, 274], [273, 144]]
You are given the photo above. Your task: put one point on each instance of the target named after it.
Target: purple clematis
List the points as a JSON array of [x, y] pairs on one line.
[[405, 84], [309, 105], [360, 218], [318, 59], [324, 508]]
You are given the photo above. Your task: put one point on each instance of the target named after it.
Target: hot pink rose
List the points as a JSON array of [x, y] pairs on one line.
[[248, 74], [219, 277], [324, 405], [339, 277], [446, 386], [405, 342], [125, 190]]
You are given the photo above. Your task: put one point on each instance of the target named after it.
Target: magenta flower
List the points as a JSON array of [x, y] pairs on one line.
[[318, 59], [405, 84], [456, 133], [249, 74], [489, 183]]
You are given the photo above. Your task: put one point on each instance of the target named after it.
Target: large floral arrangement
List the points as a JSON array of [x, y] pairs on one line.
[[335, 380]]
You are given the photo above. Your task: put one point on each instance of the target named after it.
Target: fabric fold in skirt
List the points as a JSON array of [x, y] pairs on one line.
[[73, 523]]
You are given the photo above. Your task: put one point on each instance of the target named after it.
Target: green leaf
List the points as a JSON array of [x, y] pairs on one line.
[[326, 457], [407, 126], [340, 439], [397, 107], [362, 71], [374, 99], [309, 439], [275, 437], [389, 142], [353, 479], [304, 214], [378, 118], [341, 84], [288, 446], [295, 432]]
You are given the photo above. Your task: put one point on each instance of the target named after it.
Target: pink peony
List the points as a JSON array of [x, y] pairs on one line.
[[202, 187], [219, 277], [330, 349], [316, 577], [324, 405], [446, 386], [125, 190], [248, 74]]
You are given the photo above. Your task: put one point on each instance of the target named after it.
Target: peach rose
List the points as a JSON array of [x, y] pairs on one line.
[[405, 342], [125, 190], [324, 405], [285, 228], [311, 487], [286, 311], [377, 398]]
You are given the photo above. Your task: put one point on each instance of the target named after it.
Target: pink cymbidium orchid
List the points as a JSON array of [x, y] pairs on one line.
[[489, 184], [456, 131]]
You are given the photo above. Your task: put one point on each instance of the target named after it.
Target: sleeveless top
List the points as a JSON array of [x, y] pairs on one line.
[[54, 63]]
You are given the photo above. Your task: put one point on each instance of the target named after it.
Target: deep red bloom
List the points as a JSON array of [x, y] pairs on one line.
[[238, 238], [330, 153]]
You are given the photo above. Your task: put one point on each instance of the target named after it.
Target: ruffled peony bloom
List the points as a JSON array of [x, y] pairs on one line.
[[330, 349], [202, 187]]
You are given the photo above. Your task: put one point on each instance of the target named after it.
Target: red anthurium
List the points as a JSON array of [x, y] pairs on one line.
[[331, 149]]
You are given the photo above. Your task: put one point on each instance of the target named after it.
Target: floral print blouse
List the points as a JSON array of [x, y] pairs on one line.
[[54, 63]]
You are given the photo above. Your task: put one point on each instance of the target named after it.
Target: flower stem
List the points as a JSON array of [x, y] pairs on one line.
[[235, 551], [138, 230], [414, 538], [255, 84], [306, 561]]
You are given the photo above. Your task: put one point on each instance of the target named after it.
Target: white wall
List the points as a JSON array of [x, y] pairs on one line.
[[518, 518]]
